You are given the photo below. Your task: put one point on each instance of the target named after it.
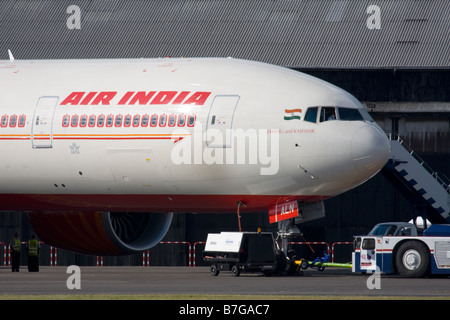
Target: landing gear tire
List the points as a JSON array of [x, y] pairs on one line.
[[413, 259], [281, 262]]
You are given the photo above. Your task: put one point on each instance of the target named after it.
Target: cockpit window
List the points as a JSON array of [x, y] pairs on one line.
[[349, 114], [327, 113], [322, 114], [311, 114]]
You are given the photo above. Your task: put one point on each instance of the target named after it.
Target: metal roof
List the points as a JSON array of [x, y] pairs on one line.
[[293, 33]]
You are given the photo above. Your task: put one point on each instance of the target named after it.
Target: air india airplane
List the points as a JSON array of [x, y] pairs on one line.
[[102, 153]]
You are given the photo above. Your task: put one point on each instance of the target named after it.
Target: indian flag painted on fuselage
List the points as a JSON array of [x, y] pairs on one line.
[[292, 114]]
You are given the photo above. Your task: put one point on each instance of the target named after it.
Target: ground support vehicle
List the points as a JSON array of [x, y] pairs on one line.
[[409, 256], [242, 251]]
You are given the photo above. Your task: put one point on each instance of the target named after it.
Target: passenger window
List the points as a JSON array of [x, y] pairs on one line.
[[136, 119], [83, 121], [144, 120], [181, 120], [22, 120], [154, 120], [127, 121], [101, 120], [311, 114], [162, 120], [74, 120], [13, 121], [66, 120], [172, 120], [191, 121], [327, 113], [118, 120], [4, 121], [91, 120], [109, 120]]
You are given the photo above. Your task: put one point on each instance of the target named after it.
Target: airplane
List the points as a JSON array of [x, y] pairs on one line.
[[103, 152]]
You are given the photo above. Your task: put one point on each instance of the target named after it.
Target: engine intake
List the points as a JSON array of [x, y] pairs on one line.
[[101, 233]]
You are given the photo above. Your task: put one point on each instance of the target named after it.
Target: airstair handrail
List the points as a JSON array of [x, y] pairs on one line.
[[441, 178]]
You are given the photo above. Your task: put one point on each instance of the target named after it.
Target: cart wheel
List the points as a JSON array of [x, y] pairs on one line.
[[304, 264], [235, 271], [321, 268], [214, 270]]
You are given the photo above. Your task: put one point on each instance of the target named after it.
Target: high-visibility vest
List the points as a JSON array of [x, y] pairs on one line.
[[33, 246], [16, 246]]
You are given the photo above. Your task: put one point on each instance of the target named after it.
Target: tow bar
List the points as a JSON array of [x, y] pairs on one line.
[[320, 263]]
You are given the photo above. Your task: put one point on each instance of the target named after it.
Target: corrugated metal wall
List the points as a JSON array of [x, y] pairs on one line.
[[294, 33], [312, 34]]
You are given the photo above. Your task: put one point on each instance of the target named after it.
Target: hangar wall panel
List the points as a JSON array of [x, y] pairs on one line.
[[296, 33]]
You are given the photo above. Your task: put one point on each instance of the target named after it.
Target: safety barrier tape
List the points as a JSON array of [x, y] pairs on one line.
[[195, 244], [146, 254], [4, 252], [337, 243], [146, 259]]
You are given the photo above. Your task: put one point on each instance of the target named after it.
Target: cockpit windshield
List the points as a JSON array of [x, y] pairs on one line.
[[322, 114], [349, 114], [327, 113]]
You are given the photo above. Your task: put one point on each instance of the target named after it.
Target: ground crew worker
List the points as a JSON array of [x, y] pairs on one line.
[[15, 252], [33, 254]]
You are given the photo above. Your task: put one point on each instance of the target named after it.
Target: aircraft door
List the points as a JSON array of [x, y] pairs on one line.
[[41, 132], [220, 121]]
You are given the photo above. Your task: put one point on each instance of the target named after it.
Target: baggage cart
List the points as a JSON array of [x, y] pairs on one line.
[[241, 252]]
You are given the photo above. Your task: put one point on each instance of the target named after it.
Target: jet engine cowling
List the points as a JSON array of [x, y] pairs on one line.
[[101, 233]]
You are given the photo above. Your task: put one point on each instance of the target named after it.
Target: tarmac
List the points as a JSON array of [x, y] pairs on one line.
[[334, 282]]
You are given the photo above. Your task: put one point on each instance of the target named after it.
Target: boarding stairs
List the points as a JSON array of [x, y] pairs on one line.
[[431, 187]]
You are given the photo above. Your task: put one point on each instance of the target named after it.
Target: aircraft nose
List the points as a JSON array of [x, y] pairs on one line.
[[370, 149]]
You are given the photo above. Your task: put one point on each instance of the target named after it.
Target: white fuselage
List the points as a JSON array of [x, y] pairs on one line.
[[175, 135]]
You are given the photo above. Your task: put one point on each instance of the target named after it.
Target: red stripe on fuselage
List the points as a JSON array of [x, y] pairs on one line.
[[96, 137], [144, 203]]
